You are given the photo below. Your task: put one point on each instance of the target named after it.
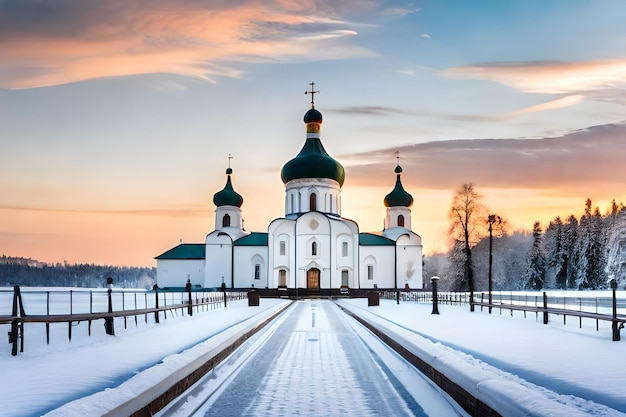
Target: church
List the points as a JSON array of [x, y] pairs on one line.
[[312, 249]]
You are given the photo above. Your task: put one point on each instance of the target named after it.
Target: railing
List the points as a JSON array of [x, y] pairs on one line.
[[18, 307], [609, 309]]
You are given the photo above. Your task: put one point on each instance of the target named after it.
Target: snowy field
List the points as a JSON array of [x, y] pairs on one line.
[[519, 364]]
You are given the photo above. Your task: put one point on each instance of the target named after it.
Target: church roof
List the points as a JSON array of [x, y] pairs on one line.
[[369, 239], [313, 161], [185, 251], [398, 197], [253, 239], [228, 196]]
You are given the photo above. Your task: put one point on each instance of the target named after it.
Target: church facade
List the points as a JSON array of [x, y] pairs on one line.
[[312, 247]]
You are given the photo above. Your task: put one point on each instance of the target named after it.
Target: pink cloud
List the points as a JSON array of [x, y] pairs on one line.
[[548, 77], [584, 162], [42, 47]]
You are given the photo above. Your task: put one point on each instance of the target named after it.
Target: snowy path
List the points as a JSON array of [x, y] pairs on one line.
[[313, 362]]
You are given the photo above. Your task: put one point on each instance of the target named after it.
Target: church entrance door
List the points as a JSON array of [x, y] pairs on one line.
[[313, 279]]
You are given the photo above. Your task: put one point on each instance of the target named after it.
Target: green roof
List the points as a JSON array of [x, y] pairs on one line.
[[185, 251], [253, 239], [369, 239], [398, 197], [228, 196]]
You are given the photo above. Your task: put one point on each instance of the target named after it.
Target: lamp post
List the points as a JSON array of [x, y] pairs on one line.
[[108, 321], [615, 325], [189, 300], [435, 300], [493, 218]]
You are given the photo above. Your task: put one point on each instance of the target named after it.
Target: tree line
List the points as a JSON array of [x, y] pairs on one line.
[[575, 253], [32, 273]]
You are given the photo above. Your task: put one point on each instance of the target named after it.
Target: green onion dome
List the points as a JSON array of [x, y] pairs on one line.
[[313, 116], [398, 197], [313, 161], [228, 196]]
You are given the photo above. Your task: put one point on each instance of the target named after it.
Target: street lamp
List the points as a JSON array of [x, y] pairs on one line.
[[493, 218], [108, 321], [435, 300]]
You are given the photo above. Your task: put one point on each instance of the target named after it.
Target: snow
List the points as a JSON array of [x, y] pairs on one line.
[[513, 363]]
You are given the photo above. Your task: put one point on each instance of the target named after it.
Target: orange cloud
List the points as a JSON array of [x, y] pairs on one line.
[[549, 77], [98, 39], [551, 105]]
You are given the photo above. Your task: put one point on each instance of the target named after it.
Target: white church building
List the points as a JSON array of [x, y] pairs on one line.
[[312, 247]]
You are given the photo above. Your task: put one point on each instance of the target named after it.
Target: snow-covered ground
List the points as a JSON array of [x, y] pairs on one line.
[[518, 363]]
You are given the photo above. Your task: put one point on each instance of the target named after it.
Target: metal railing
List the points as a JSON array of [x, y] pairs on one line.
[[598, 308], [18, 306]]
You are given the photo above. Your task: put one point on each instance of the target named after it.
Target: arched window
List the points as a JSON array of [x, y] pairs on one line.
[[344, 278], [313, 202], [226, 220], [282, 278], [314, 249], [400, 220]]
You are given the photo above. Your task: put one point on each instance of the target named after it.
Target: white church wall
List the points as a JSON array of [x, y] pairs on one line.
[[391, 219], [175, 272], [218, 260], [344, 255], [409, 261], [313, 229], [298, 192], [382, 260], [246, 273], [281, 230], [233, 224]]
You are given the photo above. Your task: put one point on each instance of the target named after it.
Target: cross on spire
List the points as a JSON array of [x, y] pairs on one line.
[[398, 158], [312, 93], [229, 170]]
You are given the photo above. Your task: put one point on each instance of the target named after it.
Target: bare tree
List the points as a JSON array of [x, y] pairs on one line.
[[467, 215]]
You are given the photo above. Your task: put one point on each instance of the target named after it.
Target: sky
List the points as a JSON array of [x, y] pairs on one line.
[[117, 119], [518, 365]]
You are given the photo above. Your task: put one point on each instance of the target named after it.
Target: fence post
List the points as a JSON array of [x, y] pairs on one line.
[[545, 308], [17, 326]]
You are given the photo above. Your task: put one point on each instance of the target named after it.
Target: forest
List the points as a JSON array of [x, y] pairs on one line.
[[571, 253], [32, 273]]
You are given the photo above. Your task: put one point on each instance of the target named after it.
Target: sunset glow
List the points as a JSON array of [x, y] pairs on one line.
[[116, 118]]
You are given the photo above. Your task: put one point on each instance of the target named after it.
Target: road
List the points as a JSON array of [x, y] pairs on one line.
[[314, 361]]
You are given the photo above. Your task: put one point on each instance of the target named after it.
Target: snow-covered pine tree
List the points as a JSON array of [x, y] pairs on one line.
[[553, 244], [616, 245], [568, 251], [591, 252], [535, 274]]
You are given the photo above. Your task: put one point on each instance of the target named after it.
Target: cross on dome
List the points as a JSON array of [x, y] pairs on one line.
[[312, 93], [229, 170]]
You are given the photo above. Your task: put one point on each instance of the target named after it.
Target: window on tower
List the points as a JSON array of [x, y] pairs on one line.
[[313, 202], [226, 220], [344, 249], [314, 249], [282, 247], [257, 271], [400, 220]]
